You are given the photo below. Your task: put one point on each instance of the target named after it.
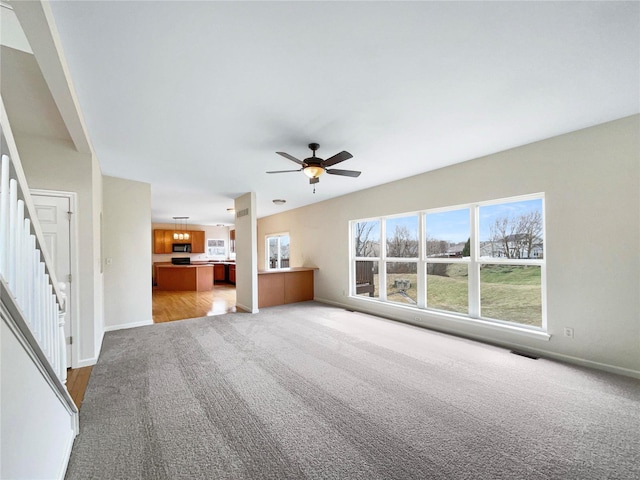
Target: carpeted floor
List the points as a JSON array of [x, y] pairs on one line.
[[312, 391]]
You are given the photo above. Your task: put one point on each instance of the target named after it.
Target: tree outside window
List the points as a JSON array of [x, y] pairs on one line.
[[483, 261]]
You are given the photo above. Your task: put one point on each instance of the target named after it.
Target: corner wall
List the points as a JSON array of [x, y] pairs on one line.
[[126, 256], [591, 181]]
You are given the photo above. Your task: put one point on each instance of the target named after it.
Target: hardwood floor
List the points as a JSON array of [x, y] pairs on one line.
[[167, 307], [77, 380]]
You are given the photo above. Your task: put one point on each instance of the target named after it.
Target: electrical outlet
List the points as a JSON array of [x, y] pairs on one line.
[[568, 332]]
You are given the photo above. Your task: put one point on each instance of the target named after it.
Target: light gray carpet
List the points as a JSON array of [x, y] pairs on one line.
[[312, 391]]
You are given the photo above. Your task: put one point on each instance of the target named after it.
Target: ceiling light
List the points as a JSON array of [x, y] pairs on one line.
[[179, 231], [231, 210], [279, 201], [313, 171]]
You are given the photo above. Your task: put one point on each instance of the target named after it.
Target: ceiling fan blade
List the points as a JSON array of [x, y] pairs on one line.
[[314, 180], [285, 171], [289, 157], [346, 173], [337, 158]]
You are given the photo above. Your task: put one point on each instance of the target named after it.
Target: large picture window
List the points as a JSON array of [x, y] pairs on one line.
[[484, 261]]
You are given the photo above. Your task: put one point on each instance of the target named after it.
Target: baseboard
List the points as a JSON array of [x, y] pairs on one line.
[[627, 372], [246, 309], [122, 326], [87, 362], [67, 457]]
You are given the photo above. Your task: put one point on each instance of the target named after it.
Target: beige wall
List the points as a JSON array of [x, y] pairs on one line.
[[56, 165], [126, 255], [591, 182]]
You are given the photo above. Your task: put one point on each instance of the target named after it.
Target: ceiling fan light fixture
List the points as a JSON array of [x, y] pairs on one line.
[[313, 171]]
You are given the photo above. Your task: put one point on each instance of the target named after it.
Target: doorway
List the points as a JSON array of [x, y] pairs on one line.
[[55, 212]]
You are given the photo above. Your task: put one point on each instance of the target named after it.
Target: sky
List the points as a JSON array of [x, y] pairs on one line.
[[454, 225]]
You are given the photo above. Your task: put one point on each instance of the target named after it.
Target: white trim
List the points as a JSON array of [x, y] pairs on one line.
[[266, 249], [67, 450], [423, 317], [247, 309], [124, 326], [73, 258], [492, 341], [87, 362]]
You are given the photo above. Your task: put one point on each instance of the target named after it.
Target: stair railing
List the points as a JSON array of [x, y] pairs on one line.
[[26, 268]]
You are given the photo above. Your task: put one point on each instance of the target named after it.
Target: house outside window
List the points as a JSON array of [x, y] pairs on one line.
[[482, 261], [277, 247]]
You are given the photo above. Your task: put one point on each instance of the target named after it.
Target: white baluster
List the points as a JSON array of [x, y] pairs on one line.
[[47, 312], [25, 262], [32, 280], [41, 313], [13, 210], [63, 341], [52, 318], [4, 217], [19, 293], [36, 296]]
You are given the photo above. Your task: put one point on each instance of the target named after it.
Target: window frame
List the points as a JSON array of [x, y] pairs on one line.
[[224, 247], [267, 257], [473, 263]]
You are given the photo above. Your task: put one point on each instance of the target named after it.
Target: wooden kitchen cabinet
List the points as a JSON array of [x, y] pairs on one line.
[[232, 274], [291, 285], [162, 241], [218, 273], [197, 241]]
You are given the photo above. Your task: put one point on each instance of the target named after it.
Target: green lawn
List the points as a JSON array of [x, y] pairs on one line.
[[511, 292], [507, 292]]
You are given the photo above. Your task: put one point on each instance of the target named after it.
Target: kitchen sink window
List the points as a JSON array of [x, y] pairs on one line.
[[216, 247]]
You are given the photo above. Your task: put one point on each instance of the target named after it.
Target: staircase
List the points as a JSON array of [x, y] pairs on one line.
[[39, 420]]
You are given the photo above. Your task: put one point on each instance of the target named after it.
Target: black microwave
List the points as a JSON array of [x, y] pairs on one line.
[[182, 247]]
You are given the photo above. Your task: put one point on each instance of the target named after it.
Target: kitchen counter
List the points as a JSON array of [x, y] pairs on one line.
[[197, 278], [287, 285]]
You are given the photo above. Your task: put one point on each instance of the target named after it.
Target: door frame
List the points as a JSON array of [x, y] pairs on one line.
[[73, 306]]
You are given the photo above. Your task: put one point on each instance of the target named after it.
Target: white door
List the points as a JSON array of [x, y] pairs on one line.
[[53, 214]]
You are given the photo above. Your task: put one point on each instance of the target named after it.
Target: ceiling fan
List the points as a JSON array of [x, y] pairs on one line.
[[314, 166]]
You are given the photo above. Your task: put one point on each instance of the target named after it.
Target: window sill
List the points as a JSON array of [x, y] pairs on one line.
[[426, 318]]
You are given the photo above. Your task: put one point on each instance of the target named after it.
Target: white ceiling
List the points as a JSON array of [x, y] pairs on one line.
[[195, 98]]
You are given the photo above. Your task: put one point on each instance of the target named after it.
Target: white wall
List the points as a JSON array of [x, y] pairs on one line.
[[36, 427], [246, 248], [52, 164], [126, 254], [591, 181]]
